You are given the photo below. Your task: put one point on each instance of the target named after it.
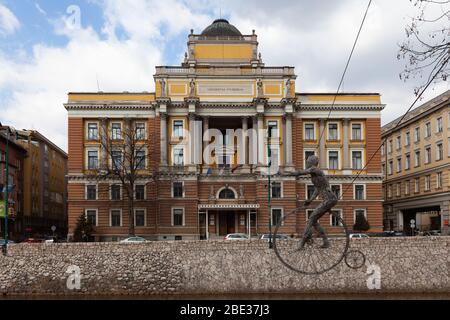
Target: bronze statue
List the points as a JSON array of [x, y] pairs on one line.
[[329, 200]]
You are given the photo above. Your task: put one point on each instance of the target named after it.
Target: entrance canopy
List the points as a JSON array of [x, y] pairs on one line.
[[228, 206]]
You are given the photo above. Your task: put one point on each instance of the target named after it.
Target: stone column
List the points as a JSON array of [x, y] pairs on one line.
[[192, 139], [253, 143], [288, 141], [322, 149], [164, 141], [206, 139], [345, 142], [244, 151], [261, 143]]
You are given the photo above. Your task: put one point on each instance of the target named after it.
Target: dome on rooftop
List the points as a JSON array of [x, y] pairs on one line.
[[221, 27]]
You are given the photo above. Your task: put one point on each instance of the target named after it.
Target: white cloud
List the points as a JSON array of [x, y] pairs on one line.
[[8, 21]]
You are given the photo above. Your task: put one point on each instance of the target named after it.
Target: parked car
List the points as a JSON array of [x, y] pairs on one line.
[[134, 240], [358, 235], [432, 233], [32, 240], [267, 237], [2, 242], [236, 236]]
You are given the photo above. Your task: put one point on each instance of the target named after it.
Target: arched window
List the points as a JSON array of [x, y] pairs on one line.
[[226, 194]]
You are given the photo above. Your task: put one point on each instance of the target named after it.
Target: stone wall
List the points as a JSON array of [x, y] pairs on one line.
[[420, 264]]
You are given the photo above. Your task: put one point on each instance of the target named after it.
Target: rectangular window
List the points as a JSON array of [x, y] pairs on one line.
[[439, 152], [417, 158], [139, 218], [178, 157], [276, 190], [399, 187], [417, 185], [357, 160], [427, 183], [91, 217], [115, 192], [91, 192], [336, 189], [335, 217], [92, 131], [359, 192], [407, 138], [448, 147], [116, 217], [117, 160], [116, 131], [242, 220], [407, 162], [399, 164], [178, 217], [140, 130], [309, 212], [427, 154], [309, 131], [139, 160], [212, 219], [359, 214], [399, 142], [389, 146], [390, 167], [439, 180], [428, 129], [177, 189], [333, 133], [389, 191], [383, 169], [333, 160], [308, 153], [440, 126], [356, 131], [417, 134], [273, 129], [382, 149], [92, 160], [277, 216], [310, 191], [178, 129], [407, 187], [139, 192]]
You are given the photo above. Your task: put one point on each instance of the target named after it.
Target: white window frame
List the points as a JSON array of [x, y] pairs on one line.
[[304, 155], [428, 155], [398, 189], [362, 131], [439, 124], [86, 191], [278, 127], [389, 146], [110, 191], [358, 209], [121, 130], [407, 188], [339, 158], [314, 131], [145, 191], [183, 129], [145, 130], [306, 189], [281, 190], [145, 159], [86, 161], [407, 161], [96, 215], [364, 191], [282, 214], [398, 142], [340, 188], [428, 126], [87, 130], [362, 157], [306, 213], [417, 185], [399, 164], [110, 217], [111, 163], [173, 156], [173, 216], [427, 182], [439, 180], [341, 215], [390, 167], [172, 194], [439, 156], [417, 158], [416, 134], [407, 138], [338, 129], [145, 217]]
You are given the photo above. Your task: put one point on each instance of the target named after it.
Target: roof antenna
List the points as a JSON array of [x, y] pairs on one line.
[[98, 84]]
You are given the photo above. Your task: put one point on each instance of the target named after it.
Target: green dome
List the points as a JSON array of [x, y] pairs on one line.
[[221, 27]]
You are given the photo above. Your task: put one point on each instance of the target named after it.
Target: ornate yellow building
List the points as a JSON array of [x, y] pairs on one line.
[[187, 191]]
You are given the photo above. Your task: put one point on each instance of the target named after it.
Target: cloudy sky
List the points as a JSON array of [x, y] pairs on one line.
[[49, 47]]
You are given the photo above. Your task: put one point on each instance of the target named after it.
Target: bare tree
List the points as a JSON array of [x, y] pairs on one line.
[[426, 49], [125, 148]]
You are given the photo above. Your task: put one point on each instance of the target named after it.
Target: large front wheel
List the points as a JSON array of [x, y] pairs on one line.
[[312, 258]]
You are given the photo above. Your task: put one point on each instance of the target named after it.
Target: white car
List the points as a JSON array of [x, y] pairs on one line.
[[358, 236], [133, 240], [236, 236]]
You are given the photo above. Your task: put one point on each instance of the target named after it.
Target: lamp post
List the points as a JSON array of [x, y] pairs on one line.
[[269, 185]]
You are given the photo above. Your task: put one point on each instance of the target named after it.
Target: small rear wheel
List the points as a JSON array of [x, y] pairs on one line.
[[355, 259]]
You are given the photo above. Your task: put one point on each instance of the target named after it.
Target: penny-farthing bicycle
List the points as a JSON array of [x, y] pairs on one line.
[[312, 259]]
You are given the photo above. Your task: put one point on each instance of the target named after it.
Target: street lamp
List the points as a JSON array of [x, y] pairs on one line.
[[269, 185]]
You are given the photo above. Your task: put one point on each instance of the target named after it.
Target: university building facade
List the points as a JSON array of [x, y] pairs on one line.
[[187, 190]]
